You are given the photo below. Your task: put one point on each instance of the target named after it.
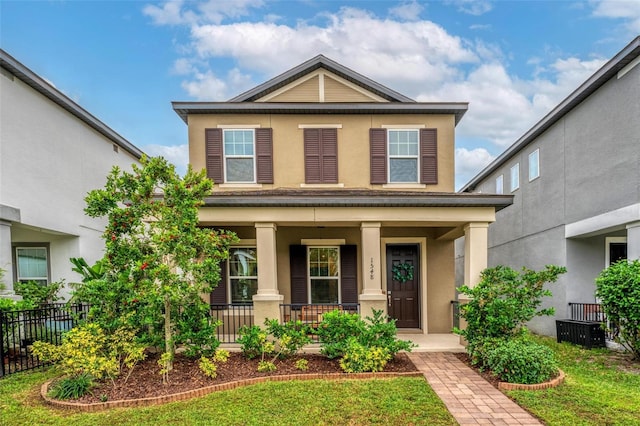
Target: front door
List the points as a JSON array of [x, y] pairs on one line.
[[403, 278]]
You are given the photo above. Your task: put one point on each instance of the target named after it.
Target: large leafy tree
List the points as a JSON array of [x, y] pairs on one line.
[[158, 261]]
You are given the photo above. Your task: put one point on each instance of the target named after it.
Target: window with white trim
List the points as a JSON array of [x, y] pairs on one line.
[[324, 274], [404, 148], [32, 264], [500, 184], [534, 165], [243, 274], [239, 155], [515, 177]]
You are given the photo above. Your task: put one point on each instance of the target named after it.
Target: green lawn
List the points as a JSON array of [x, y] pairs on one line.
[[398, 401], [600, 389]]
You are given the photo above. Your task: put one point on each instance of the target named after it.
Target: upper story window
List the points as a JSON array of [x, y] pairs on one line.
[[321, 155], [239, 156], [500, 184], [534, 165], [324, 274], [32, 264], [403, 156], [515, 177]]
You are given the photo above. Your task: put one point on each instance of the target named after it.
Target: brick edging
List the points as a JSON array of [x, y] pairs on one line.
[[181, 396], [546, 385]]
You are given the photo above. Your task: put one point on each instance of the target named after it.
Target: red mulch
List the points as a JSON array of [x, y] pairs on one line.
[[146, 380]]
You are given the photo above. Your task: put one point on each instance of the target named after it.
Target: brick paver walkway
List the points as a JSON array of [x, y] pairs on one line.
[[468, 397]]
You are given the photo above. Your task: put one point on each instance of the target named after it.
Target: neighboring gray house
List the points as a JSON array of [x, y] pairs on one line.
[[52, 152], [575, 176]]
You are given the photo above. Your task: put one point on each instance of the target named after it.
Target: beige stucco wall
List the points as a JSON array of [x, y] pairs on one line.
[[353, 144]]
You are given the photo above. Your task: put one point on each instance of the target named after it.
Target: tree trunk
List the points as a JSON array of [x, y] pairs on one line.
[[168, 335]]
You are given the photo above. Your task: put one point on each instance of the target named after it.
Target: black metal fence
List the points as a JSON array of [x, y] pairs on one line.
[[593, 312], [233, 317], [19, 329]]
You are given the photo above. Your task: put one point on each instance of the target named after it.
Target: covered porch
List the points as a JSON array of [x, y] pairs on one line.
[[385, 250]]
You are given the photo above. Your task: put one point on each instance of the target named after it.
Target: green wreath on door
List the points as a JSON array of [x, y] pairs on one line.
[[402, 272]]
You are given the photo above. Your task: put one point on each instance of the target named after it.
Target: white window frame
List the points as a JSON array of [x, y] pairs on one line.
[[253, 157], [310, 278], [534, 158], [500, 184], [231, 277], [389, 156], [515, 177], [607, 248], [20, 278]]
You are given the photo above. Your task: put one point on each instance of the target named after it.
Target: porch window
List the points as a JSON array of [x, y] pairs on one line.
[[324, 274], [239, 156], [243, 274], [32, 264], [403, 156]]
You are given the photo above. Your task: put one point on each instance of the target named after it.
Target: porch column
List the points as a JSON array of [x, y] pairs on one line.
[[6, 263], [266, 303], [475, 251], [372, 296], [633, 241], [475, 260]]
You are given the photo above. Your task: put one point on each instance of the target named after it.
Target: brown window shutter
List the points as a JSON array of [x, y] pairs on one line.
[[219, 294], [349, 273], [215, 156], [298, 270], [264, 155], [429, 156], [329, 149], [312, 156], [378, 155]]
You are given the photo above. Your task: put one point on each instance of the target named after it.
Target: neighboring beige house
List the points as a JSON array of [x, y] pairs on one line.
[[52, 152], [342, 192]]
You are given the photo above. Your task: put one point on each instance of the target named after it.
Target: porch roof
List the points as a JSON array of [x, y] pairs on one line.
[[354, 198]]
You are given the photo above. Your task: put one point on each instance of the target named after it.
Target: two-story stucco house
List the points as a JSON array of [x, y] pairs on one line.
[[575, 177], [52, 152], [342, 192]]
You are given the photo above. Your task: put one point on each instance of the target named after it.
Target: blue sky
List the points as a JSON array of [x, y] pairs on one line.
[[125, 61]]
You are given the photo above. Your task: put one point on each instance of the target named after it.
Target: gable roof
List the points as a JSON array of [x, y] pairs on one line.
[[311, 65], [38, 84], [396, 103], [630, 53]]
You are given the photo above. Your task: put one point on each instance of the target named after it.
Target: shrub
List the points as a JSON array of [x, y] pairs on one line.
[[302, 364], [38, 294], [338, 327], [72, 387], [522, 361], [359, 358], [618, 288], [502, 302], [290, 337], [209, 366], [252, 340], [266, 366]]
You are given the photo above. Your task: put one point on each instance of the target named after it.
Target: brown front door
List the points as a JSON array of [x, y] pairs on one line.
[[403, 278]]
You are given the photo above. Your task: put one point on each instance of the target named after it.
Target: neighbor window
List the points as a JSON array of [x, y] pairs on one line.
[[32, 264], [239, 156], [324, 274], [243, 274], [500, 184], [403, 156], [534, 165], [515, 177]]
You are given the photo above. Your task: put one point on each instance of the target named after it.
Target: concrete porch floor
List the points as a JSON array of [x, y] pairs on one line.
[[445, 342]]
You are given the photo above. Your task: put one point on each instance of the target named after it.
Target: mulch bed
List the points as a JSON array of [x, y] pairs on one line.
[[146, 381]]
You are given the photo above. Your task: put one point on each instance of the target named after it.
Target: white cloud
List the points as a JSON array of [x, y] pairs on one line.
[[472, 7], [409, 11], [470, 162], [211, 11], [206, 87], [178, 155], [629, 10]]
